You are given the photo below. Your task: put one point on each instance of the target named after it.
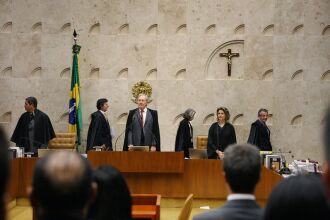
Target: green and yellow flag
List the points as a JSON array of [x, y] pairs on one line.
[[75, 117]]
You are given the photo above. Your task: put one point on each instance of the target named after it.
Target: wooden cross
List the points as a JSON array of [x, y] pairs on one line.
[[229, 55]]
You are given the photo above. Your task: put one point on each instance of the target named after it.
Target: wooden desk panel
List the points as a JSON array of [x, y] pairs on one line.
[[139, 162], [26, 166], [203, 178], [14, 179]]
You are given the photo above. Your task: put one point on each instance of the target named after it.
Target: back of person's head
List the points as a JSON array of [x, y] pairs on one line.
[[62, 182], [4, 171], [297, 197], [242, 167], [113, 199]]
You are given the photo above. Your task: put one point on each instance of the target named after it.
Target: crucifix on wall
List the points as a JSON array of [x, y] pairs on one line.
[[229, 55]]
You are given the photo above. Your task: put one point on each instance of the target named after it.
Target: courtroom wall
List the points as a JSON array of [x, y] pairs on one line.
[[283, 63]]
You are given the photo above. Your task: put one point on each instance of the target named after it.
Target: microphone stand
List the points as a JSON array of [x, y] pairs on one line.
[[118, 138]]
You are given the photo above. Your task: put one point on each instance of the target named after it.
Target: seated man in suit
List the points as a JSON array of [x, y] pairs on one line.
[[260, 133], [99, 132], [62, 187], [142, 127], [242, 168]]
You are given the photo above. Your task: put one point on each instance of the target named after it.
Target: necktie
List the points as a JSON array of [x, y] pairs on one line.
[[31, 116], [141, 117]]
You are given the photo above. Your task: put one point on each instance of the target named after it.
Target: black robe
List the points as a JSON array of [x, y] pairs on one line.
[[154, 130], [219, 138], [260, 136], [43, 130], [99, 132], [183, 140]]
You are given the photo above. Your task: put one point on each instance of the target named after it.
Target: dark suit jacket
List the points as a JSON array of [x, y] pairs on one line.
[[233, 210], [99, 132], [150, 129], [183, 140], [260, 136]]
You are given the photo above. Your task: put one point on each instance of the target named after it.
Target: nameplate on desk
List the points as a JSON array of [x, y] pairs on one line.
[[138, 148]]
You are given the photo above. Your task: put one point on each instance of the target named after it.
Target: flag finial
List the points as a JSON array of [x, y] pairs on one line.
[[75, 36], [76, 47]]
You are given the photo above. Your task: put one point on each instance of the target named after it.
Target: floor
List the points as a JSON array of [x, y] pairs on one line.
[[170, 208]]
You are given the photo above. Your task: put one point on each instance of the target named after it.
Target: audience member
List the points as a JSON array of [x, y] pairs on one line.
[[297, 197], [327, 151], [113, 200], [62, 187], [241, 168], [4, 172]]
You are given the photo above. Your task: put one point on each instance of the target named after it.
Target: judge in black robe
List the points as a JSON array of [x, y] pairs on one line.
[[221, 134], [184, 135], [34, 129], [260, 133], [99, 132]]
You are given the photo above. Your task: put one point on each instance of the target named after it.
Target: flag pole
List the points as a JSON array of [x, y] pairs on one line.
[[75, 116]]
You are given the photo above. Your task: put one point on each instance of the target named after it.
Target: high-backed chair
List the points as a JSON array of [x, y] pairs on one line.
[[63, 141], [186, 209], [202, 142]]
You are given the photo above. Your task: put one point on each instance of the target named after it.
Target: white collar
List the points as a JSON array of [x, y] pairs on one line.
[[102, 112], [144, 110], [239, 196]]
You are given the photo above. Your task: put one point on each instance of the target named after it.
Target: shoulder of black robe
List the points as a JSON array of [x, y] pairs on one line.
[[179, 139], [43, 129], [211, 141], [155, 128], [128, 126], [20, 135], [94, 130], [213, 128], [253, 137], [232, 138]]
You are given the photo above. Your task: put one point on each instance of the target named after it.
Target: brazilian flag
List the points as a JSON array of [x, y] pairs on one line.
[[75, 117]]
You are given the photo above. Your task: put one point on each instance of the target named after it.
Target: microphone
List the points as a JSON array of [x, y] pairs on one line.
[[121, 134], [22, 145], [42, 145], [284, 169]]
